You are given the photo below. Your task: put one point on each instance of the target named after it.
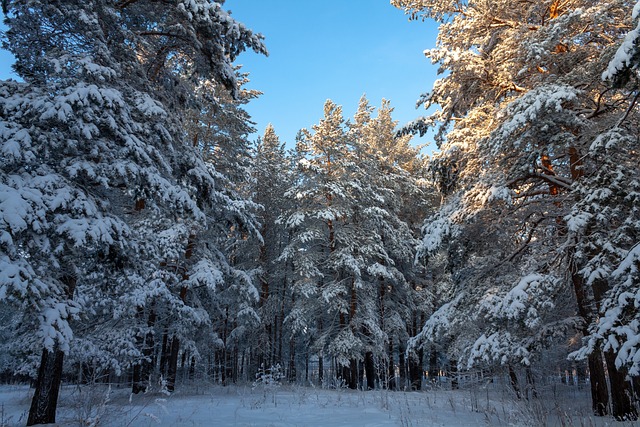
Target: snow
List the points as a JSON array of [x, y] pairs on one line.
[[624, 55], [270, 405]]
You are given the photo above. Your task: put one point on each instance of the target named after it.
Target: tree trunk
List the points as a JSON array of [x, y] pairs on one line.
[[173, 364], [597, 377], [344, 375], [402, 367], [164, 353], [433, 365], [136, 381], [635, 382], [45, 399], [306, 367], [622, 406], [148, 350], [415, 372], [292, 361], [532, 392], [513, 379], [353, 374], [137, 385], [453, 370], [391, 369], [370, 370], [192, 368]]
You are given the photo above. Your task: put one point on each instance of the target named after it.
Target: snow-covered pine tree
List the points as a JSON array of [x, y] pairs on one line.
[[325, 271], [90, 139], [351, 245], [392, 195], [221, 131], [519, 108], [606, 222], [273, 177]]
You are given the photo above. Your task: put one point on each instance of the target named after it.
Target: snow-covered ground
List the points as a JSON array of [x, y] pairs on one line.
[[303, 406]]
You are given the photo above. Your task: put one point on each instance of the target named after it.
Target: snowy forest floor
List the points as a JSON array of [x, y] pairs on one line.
[[198, 405]]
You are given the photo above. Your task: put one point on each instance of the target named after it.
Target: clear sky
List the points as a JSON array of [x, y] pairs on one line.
[[329, 49], [333, 49]]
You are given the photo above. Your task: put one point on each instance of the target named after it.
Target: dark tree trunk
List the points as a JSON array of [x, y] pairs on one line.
[[353, 374], [280, 323], [183, 361], [344, 374], [164, 353], [433, 365], [292, 361], [532, 392], [222, 360], [148, 352], [370, 370], [622, 406], [635, 382], [513, 379], [320, 368], [306, 367], [47, 386], [137, 380], [597, 377], [45, 399], [391, 369], [402, 367], [192, 368], [273, 344], [415, 372], [137, 384], [453, 371], [234, 365], [598, 381], [173, 364]]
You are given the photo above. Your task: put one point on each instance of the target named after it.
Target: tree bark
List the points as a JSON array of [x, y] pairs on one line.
[[353, 374], [621, 392], [173, 363], [415, 372], [369, 370], [513, 379], [192, 368], [292, 361], [148, 349], [164, 353], [597, 377], [402, 367], [433, 365], [45, 399], [453, 370], [390, 368], [532, 392]]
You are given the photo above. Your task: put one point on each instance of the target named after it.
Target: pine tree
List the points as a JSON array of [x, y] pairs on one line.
[[92, 138], [520, 108], [272, 173]]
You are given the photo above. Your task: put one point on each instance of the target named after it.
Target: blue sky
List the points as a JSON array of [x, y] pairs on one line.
[[333, 49], [330, 49]]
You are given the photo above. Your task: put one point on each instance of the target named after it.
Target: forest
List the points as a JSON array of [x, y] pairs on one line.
[[146, 240]]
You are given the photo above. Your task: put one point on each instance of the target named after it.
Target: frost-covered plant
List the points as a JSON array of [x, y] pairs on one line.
[[269, 378]]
